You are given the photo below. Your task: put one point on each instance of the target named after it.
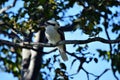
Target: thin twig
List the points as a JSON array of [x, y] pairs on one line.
[[102, 74], [88, 72], [53, 50], [8, 7], [110, 45]]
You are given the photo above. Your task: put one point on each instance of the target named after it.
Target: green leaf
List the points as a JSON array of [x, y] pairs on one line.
[[57, 70], [4, 50]]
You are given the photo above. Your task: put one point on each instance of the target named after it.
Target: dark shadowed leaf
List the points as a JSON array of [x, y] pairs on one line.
[[96, 60], [63, 66]]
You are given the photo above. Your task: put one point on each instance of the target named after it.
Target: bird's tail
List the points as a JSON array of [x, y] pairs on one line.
[[63, 55]]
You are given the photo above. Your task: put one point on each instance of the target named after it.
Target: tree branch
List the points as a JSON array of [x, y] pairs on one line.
[[29, 45], [110, 45], [8, 7]]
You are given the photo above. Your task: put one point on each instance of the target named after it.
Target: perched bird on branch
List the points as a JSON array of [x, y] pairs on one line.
[[54, 35]]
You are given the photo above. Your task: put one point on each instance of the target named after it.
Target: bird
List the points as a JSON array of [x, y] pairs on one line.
[[54, 35]]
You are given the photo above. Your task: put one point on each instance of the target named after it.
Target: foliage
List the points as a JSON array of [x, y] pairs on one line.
[[95, 17]]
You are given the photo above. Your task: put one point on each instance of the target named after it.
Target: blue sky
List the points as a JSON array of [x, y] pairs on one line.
[[97, 68], [77, 35]]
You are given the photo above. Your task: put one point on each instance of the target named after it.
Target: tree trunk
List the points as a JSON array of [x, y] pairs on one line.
[[32, 59]]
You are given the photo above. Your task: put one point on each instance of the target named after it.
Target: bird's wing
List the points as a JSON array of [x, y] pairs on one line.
[[62, 36]]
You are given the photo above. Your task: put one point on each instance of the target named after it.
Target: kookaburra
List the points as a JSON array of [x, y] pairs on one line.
[[54, 35]]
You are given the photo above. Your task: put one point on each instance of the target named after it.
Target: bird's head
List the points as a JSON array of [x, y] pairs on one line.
[[52, 23]]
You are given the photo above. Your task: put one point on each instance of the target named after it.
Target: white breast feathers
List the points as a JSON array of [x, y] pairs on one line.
[[52, 35]]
